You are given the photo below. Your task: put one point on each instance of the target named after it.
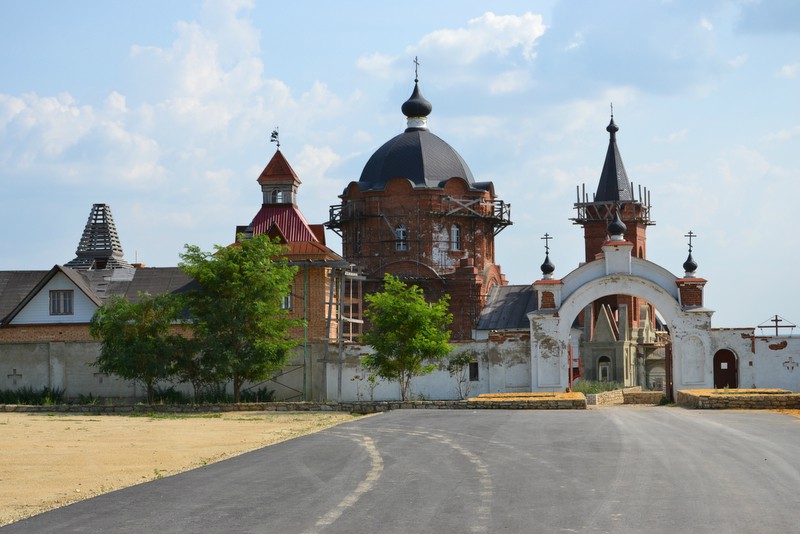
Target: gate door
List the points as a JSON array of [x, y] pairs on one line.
[[725, 372]]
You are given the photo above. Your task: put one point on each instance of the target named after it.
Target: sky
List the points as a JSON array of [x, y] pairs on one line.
[[164, 110]]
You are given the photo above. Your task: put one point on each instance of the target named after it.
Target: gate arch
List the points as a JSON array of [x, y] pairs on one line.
[[617, 273]]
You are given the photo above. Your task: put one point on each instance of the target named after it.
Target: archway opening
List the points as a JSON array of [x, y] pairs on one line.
[[621, 339]]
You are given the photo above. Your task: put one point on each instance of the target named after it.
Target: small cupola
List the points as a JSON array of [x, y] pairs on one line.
[[616, 228], [278, 181], [416, 108]]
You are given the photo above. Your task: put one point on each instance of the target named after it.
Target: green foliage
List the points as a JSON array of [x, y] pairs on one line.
[[169, 395], [458, 367], [27, 395], [137, 341], [240, 329], [407, 334], [591, 387], [258, 395]]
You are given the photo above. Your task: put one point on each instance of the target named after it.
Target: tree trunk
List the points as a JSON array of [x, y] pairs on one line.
[[149, 386], [237, 385]]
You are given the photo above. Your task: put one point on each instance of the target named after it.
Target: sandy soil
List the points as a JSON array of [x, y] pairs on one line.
[[53, 460]]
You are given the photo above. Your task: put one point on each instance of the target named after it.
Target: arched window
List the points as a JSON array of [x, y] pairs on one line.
[[357, 242], [604, 369], [277, 197], [455, 237], [401, 237]]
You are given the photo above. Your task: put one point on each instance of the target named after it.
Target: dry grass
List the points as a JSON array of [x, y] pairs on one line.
[[54, 460]]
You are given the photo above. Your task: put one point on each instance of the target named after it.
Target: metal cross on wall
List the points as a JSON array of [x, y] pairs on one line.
[[790, 364], [13, 376]]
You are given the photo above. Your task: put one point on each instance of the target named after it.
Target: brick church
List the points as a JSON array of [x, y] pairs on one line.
[[418, 213]]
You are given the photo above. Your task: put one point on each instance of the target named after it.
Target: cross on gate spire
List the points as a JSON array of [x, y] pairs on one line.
[[547, 237], [690, 235]]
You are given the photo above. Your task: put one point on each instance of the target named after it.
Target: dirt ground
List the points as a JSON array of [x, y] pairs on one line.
[[54, 460]]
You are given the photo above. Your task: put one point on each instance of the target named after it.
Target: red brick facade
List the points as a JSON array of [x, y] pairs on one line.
[[440, 239]]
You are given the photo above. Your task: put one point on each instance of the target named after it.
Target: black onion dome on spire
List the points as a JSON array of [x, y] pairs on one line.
[[690, 265], [614, 184], [616, 226], [416, 155], [416, 105], [548, 267]]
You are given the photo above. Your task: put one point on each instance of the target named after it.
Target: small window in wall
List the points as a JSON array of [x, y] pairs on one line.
[[277, 197], [61, 302], [286, 301], [357, 242], [473, 371], [401, 237], [455, 237]]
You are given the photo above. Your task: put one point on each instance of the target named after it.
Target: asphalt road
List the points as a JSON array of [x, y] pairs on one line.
[[621, 470]]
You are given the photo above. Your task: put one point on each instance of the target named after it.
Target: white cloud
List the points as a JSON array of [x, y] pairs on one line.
[[314, 162], [738, 61], [784, 135], [378, 65], [706, 24], [513, 81], [577, 41], [789, 71], [673, 137], [487, 34]]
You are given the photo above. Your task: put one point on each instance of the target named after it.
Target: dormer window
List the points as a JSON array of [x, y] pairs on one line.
[[401, 237], [61, 302]]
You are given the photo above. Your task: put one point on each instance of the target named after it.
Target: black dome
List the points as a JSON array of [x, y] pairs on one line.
[[418, 155]]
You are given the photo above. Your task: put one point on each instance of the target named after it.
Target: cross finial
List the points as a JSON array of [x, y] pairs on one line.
[[690, 235], [547, 237], [612, 110], [416, 69], [274, 138]]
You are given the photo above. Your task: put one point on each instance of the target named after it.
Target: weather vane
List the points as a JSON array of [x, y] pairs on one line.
[[273, 138], [690, 235], [547, 237], [416, 69]]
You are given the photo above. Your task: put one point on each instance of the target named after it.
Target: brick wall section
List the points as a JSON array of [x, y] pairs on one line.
[[691, 291], [548, 300], [45, 333], [753, 401]]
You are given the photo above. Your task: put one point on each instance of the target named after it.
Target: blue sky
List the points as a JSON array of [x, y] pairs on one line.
[[164, 109]]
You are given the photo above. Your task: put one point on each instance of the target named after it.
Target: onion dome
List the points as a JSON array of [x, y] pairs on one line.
[[416, 155], [690, 266], [416, 107], [548, 267], [616, 228]]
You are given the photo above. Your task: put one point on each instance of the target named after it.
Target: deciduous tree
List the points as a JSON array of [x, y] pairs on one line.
[[408, 334], [137, 340], [236, 313]]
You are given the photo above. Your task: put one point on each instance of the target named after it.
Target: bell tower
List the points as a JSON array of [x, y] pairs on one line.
[[616, 328], [615, 194]]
